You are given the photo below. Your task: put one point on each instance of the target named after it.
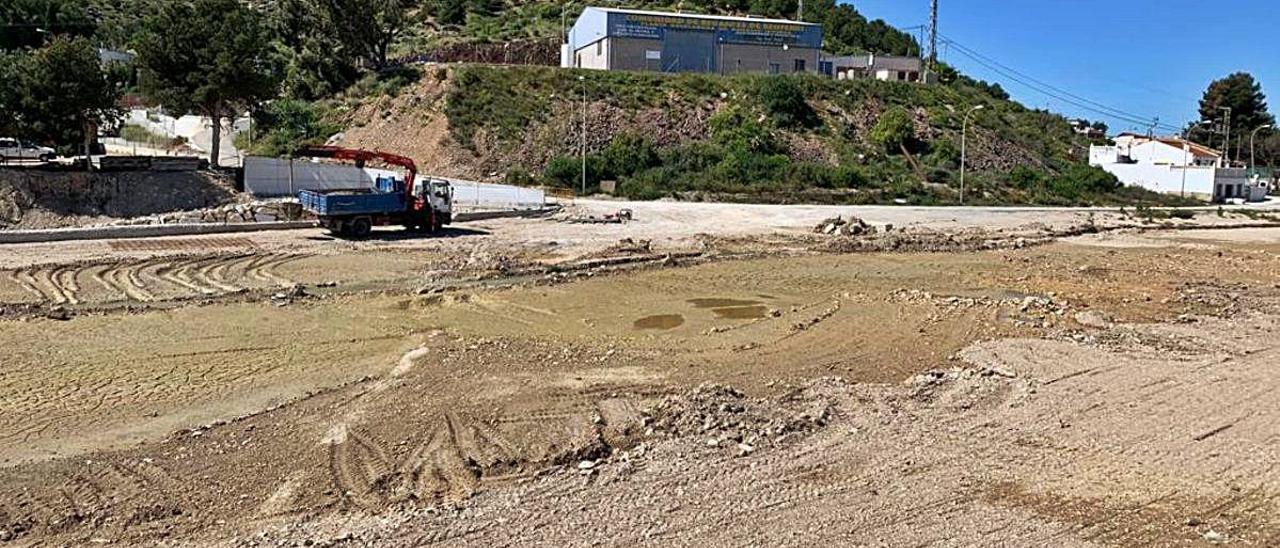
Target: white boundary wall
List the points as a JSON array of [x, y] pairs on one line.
[[1165, 178], [269, 178]]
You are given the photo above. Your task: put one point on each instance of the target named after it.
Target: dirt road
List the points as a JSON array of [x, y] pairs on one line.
[[1108, 389]]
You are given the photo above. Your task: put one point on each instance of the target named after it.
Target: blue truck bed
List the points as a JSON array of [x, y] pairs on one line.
[[337, 203]]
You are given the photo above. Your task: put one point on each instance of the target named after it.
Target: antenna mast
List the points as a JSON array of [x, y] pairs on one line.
[[933, 34]]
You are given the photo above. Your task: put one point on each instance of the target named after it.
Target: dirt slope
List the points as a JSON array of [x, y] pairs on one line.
[[51, 199]]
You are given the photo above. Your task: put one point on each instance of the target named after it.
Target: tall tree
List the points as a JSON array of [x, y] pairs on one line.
[[28, 23], [207, 57], [60, 92], [847, 31], [9, 92], [1243, 95], [315, 61], [367, 27]]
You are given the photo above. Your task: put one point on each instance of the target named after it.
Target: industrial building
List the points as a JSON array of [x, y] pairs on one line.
[[623, 39]]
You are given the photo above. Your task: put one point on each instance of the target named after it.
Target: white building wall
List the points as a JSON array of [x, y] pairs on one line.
[[1161, 153], [1165, 178], [594, 56], [1102, 155]]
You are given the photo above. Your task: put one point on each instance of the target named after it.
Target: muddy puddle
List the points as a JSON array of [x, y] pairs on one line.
[[753, 312], [660, 321], [718, 302]]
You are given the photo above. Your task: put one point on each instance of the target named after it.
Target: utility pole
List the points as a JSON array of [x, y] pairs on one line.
[[1226, 145], [964, 149], [584, 134], [933, 35]]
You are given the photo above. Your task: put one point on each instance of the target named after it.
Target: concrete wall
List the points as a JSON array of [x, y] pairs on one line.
[[594, 56], [269, 177], [1165, 178]]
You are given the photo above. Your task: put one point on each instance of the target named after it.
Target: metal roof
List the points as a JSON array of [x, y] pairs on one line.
[[702, 16]]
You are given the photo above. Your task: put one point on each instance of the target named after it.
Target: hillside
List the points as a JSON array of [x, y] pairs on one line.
[[440, 23], [741, 137]]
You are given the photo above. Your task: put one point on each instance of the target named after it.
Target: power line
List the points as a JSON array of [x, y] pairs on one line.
[[1055, 92]]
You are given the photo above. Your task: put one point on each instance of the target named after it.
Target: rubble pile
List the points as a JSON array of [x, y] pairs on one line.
[[726, 418], [838, 226], [974, 239], [262, 211], [1029, 310]]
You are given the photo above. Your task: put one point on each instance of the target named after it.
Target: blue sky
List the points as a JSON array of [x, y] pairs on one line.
[[1146, 58]]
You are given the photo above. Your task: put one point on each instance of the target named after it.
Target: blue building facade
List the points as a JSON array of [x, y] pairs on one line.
[[621, 39]]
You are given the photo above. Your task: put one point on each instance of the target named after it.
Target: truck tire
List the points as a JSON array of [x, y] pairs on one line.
[[361, 227], [45, 158]]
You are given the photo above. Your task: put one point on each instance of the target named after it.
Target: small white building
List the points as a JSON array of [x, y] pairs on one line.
[[891, 68], [1174, 166]]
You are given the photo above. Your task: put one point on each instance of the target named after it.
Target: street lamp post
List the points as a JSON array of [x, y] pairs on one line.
[[964, 131], [584, 133], [1253, 164]]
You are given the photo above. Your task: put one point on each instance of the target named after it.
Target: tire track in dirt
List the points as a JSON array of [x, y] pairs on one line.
[[23, 279], [263, 268], [64, 278], [45, 277], [175, 273], [126, 278], [213, 273], [357, 468]]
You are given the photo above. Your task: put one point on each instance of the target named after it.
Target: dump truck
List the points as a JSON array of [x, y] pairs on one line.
[[419, 204]]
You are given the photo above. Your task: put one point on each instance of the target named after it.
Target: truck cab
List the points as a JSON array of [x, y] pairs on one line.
[[436, 194]]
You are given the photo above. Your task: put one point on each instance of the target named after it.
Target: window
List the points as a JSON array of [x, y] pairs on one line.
[[799, 65], [600, 47], [774, 68]]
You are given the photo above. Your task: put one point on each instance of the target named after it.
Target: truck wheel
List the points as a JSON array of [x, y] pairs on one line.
[[45, 158], [361, 227]]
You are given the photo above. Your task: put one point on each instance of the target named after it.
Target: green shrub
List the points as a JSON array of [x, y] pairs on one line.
[[784, 101], [563, 171], [519, 176], [283, 126], [893, 130], [1026, 177]]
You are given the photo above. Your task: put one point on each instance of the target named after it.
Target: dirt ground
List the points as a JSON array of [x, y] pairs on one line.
[[537, 382]]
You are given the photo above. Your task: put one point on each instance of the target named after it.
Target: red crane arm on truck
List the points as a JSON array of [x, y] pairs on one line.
[[360, 157]]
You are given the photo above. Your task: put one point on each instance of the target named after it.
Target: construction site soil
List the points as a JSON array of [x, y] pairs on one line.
[[529, 382]]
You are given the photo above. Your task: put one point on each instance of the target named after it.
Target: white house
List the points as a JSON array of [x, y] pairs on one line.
[[1173, 165]]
